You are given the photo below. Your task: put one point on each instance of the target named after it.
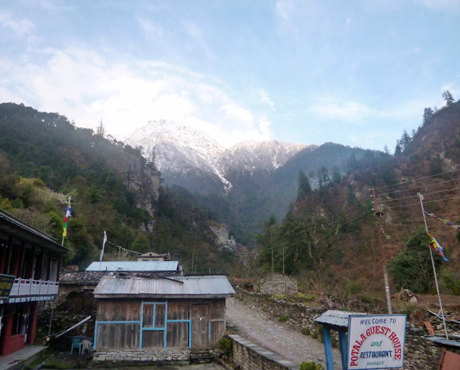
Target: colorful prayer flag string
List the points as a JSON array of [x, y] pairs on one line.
[[434, 244], [444, 221], [68, 213]]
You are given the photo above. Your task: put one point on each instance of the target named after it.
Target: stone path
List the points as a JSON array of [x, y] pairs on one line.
[[263, 329]]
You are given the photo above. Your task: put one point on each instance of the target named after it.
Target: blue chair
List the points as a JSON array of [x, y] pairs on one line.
[[76, 343]]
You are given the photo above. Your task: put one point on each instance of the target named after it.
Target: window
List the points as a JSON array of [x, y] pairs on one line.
[[154, 315], [160, 315]]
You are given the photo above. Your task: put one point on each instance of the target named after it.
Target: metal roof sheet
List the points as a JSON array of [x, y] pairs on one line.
[[177, 286], [134, 266], [11, 224], [336, 318]]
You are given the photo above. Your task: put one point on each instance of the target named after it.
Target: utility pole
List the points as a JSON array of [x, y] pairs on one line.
[[382, 253], [434, 268]]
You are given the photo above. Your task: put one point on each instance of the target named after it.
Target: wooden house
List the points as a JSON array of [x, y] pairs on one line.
[[29, 274], [160, 312], [78, 281]]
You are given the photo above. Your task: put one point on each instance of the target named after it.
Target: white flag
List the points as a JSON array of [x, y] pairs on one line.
[[103, 246]]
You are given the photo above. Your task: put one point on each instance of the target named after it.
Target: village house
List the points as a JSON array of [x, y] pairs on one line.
[[152, 256], [29, 274], [80, 281], [155, 313]]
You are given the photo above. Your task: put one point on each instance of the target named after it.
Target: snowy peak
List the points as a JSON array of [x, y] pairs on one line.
[[188, 153], [195, 147], [261, 155]]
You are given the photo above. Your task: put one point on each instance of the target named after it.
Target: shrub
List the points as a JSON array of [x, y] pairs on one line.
[[365, 298], [283, 318], [305, 331], [310, 366], [225, 344]]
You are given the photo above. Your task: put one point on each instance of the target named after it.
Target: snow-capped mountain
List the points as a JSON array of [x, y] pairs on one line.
[[182, 153], [253, 156]]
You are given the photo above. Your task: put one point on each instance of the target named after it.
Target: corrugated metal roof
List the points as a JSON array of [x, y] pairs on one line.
[[11, 224], [336, 318], [134, 266], [178, 286]]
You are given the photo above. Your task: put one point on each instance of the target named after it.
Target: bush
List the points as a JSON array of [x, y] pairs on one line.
[[451, 282], [310, 366], [225, 345], [283, 318], [305, 331], [411, 268], [365, 298]]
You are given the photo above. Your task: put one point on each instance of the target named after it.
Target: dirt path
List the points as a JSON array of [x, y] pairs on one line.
[[264, 330]]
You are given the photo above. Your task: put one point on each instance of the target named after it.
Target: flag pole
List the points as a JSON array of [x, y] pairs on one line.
[[382, 255], [102, 250], [434, 268], [64, 234]]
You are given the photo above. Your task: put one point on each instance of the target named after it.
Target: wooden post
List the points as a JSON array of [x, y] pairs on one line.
[[343, 348], [328, 348]]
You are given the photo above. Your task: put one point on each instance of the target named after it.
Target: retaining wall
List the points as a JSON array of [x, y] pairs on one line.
[[250, 356]]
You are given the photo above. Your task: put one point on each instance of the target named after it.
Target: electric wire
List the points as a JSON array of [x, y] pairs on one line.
[[417, 187], [417, 179], [424, 202], [413, 196]]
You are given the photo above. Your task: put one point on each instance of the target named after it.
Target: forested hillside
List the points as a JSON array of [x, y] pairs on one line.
[[44, 159], [330, 236]]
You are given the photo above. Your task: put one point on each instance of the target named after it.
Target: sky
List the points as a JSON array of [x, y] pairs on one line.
[[354, 72]]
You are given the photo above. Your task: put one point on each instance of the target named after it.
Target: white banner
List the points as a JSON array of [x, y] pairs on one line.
[[376, 342]]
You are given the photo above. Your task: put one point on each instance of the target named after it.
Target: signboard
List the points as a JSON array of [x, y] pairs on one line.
[[376, 342], [6, 283]]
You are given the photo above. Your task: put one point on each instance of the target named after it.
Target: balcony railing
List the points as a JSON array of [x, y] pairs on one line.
[[28, 287]]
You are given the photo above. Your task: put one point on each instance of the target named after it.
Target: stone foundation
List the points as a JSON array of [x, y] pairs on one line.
[[152, 357]]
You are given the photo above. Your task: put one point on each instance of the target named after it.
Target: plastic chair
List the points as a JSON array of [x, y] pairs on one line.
[[86, 344], [76, 343]]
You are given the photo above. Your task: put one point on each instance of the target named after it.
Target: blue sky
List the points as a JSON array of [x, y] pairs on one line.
[[352, 72]]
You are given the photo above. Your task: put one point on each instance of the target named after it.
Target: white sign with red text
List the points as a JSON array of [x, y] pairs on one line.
[[376, 342]]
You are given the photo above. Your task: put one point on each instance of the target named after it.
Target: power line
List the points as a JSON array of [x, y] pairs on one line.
[[417, 187], [428, 201], [413, 196], [415, 180]]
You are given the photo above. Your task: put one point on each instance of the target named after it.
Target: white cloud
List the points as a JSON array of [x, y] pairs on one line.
[[265, 98], [284, 8], [87, 87], [19, 27], [153, 30], [235, 114], [351, 111]]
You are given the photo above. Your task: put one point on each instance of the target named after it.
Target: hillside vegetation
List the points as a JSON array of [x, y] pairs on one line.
[[329, 237], [44, 159]]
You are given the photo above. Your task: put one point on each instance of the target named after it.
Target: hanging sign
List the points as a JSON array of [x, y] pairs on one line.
[[6, 283], [376, 342]]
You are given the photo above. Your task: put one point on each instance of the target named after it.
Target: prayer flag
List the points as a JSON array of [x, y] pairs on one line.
[[434, 244], [68, 213]]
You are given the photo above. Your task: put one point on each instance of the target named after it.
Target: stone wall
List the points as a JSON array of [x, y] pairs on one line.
[[250, 356], [419, 353], [153, 357], [277, 284]]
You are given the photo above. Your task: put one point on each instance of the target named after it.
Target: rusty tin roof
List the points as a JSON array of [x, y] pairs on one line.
[[209, 286]]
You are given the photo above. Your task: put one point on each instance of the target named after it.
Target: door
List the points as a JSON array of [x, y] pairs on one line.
[[200, 325]]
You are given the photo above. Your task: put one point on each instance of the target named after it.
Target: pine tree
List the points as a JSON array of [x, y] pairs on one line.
[[304, 185], [447, 96], [427, 114]]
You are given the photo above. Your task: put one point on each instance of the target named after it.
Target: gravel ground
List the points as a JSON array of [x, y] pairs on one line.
[[264, 330]]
